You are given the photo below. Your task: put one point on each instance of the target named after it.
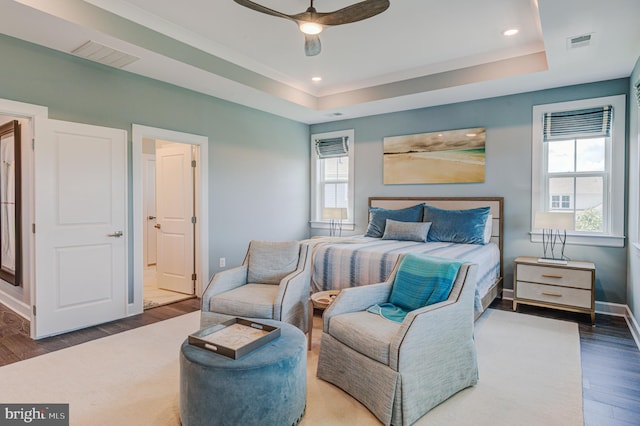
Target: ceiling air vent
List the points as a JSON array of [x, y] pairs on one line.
[[97, 52], [579, 41]]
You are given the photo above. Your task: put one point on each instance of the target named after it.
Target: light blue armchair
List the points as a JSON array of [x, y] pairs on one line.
[[400, 370], [273, 282]]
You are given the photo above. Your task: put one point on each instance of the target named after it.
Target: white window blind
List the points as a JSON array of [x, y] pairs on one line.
[[332, 147], [584, 123]]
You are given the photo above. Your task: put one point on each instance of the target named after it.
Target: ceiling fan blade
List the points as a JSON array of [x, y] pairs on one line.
[[355, 12], [312, 45], [259, 8]]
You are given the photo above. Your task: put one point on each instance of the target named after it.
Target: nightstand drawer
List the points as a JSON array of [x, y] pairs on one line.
[[554, 294], [554, 276]]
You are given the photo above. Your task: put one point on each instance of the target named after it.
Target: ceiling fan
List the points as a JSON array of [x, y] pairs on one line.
[[312, 22]]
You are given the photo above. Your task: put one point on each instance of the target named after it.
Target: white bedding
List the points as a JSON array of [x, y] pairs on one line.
[[353, 261]]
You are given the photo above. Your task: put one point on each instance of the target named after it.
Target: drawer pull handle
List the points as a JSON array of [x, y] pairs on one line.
[[551, 276], [548, 293]]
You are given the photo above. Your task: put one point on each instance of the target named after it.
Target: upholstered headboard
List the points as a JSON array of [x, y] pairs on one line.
[[454, 203]]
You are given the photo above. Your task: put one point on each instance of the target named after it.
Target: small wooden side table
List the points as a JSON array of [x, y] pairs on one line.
[[321, 301]]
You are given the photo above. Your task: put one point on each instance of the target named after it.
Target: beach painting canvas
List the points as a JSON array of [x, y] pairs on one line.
[[452, 156]]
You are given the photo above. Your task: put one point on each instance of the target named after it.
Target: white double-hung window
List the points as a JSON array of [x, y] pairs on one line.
[[332, 179], [578, 166]]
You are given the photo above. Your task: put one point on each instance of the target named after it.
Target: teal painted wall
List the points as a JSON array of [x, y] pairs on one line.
[[508, 168], [633, 279], [258, 162]]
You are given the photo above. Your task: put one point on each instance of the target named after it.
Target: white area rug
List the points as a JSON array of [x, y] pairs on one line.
[[529, 374]]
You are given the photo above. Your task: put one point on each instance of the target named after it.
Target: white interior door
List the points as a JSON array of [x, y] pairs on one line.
[[175, 211], [80, 217], [150, 234]]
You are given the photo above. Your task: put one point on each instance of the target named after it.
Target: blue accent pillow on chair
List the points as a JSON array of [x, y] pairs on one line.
[[457, 226], [379, 218], [421, 280]]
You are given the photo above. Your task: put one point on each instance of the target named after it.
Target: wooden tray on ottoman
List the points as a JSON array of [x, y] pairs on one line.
[[234, 338]]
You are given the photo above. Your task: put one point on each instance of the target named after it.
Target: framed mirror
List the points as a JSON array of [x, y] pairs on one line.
[[10, 201]]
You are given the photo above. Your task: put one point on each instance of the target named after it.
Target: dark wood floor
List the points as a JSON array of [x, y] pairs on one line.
[[15, 344], [610, 366], [610, 357]]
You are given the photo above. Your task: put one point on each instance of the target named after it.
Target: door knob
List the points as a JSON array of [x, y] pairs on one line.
[[157, 226], [151, 217], [116, 234]]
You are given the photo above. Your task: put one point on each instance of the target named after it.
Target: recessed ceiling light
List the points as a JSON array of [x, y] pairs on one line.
[[316, 79], [471, 135], [510, 32]]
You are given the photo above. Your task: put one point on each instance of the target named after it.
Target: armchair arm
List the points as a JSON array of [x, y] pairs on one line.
[[223, 281], [355, 299]]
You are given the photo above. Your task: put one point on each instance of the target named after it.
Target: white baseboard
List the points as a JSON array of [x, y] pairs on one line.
[[618, 310], [613, 309], [16, 306], [633, 326]]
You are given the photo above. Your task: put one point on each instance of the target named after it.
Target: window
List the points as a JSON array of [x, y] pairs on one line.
[[332, 179], [560, 202], [578, 166]]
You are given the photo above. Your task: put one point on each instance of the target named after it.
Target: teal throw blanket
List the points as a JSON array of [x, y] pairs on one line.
[[421, 280]]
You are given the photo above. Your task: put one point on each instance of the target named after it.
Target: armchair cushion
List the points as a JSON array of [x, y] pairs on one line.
[[270, 262], [250, 300], [365, 333]]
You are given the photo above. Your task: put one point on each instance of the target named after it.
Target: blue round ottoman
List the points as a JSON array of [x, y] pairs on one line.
[[267, 386]]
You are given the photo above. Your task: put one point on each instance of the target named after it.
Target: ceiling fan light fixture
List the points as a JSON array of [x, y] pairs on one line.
[[310, 28], [311, 22]]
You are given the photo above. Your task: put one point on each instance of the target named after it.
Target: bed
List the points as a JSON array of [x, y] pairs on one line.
[[341, 262]]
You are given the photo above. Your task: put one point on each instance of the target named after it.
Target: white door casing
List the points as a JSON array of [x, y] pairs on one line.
[[22, 299], [138, 133], [175, 211], [149, 217], [80, 240]]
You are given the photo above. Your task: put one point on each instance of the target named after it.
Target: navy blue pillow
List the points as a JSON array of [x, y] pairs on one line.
[[379, 218], [456, 226]]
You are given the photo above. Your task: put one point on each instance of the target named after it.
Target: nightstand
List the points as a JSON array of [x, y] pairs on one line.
[[569, 287]]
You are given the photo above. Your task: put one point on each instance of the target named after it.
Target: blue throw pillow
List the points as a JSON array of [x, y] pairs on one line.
[[457, 226], [379, 218], [423, 280]]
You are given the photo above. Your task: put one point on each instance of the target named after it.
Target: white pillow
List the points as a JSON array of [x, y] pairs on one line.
[[488, 227]]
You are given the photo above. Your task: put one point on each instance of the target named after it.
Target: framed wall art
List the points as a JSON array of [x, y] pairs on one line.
[[452, 156]]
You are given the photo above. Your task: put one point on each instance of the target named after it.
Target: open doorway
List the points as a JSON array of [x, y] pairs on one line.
[[169, 225], [170, 219]]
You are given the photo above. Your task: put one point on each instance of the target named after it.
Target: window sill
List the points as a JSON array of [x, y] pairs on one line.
[[585, 240], [325, 225]]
